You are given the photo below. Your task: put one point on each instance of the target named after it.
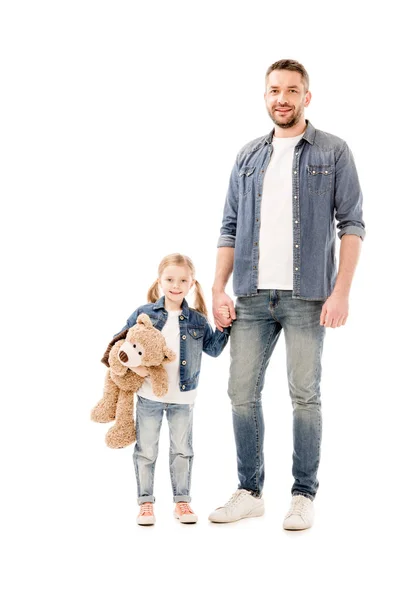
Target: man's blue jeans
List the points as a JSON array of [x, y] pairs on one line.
[[254, 335], [149, 416]]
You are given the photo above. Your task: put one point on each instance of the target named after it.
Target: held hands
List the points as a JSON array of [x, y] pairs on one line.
[[223, 310], [335, 311]]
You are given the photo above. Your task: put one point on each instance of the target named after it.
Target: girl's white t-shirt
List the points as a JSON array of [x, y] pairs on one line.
[[171, 333]]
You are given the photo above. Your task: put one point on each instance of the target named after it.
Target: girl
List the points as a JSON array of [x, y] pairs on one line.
[[187, 333]]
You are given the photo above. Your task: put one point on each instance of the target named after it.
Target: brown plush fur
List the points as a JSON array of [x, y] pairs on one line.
[[121, 383]]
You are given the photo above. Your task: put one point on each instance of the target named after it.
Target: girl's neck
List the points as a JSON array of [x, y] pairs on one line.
[[171, 305]]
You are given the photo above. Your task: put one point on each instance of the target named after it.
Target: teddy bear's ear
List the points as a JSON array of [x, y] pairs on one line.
[[169, 355], [120, 336], [145, 320]]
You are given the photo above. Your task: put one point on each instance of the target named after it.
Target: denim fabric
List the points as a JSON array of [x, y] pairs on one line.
[[196, 337], [149, 415], [325, 187], [254, 335]]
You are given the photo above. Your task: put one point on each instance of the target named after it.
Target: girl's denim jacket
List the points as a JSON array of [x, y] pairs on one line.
[[196, 336]]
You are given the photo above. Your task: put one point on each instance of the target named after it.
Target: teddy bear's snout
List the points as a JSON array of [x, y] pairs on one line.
[[123, 357]]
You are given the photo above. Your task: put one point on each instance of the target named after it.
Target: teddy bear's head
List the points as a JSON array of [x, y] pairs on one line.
[[144, 345]]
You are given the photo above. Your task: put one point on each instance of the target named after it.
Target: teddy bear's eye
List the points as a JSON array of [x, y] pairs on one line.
[[140, 353], [134, 345]]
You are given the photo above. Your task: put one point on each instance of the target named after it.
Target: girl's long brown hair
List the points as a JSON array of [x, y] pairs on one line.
[[179, 260]]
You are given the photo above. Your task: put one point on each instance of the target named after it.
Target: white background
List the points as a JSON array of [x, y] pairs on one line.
[[120, 122]]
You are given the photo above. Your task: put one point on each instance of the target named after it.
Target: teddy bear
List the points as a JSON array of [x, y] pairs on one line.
[[141, 345]]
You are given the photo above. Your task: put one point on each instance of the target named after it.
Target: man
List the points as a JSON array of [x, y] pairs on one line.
[[278, 237]]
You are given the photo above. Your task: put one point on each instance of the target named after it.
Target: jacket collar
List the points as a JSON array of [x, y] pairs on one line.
[[161, 303], [309, 134]]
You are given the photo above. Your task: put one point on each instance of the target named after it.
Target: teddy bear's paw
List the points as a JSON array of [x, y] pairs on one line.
[[103, 413], [120, 436]]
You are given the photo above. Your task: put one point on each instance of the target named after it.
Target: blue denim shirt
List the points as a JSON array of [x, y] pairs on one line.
[[325, 188], [196, 337]]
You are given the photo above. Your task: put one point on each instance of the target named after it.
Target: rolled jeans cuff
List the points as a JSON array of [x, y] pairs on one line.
[[182, 499], [143, 499]]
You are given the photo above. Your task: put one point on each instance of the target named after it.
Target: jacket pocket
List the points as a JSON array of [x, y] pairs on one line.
[[196, 332], [246, 176], [320, 179]]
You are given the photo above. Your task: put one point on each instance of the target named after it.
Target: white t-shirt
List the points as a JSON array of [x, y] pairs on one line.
[[174, 395], [275, 269]]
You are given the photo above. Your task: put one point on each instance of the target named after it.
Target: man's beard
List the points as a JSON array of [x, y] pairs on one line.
[[293, 121]]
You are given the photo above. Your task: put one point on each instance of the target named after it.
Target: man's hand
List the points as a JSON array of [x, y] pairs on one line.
[[220, 300], [335, 311], [141, 371]]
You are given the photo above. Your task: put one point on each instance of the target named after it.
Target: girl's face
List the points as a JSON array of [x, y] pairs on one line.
[[176, 282]]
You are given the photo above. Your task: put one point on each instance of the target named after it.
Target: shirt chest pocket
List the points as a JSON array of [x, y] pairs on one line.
[[320, 178], [246, 177]]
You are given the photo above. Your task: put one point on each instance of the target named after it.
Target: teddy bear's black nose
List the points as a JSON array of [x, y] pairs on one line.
[[123, 356]]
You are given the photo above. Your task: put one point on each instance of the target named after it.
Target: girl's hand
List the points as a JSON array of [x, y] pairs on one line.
[[141, 371], [224, 311]]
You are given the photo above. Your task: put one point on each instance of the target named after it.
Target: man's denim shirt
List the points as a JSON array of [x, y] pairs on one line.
[[325, 187], [196, 336]]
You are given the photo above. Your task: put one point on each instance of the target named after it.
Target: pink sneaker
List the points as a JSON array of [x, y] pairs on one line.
[[146, 514], [184, 513]]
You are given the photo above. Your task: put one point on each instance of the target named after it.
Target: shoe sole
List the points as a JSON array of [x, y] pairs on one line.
[[186, 520], [148, 522], [256, 512], [291, 528]]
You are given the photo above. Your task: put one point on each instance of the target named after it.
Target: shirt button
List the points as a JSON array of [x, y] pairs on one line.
[[184, 337], [183, 387], [254, 267], [295, 197], [313, 172], [256, 243], [296, 269], [184, 362], [296, 221], [297, 245], [326, 172], [295, 172], [181, 318]]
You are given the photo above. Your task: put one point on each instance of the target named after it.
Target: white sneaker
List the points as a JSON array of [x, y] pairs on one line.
[[241, 506], [300, 515]]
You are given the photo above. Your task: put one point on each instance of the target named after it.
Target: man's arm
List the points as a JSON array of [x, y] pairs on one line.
[[348, 207], [223, 271], [226, 251], [336, 308]]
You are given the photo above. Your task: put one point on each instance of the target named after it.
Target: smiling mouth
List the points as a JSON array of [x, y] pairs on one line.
[[176, 293]]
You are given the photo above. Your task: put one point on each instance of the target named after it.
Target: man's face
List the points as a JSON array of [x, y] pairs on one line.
[[286, 98]]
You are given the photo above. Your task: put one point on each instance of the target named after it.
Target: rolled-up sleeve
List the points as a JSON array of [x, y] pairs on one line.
[[229, 220], [348, 196]]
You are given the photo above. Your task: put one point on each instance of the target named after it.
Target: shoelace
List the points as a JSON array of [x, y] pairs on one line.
[[185, 509], [299, 506], [236, 497], [146, 509]]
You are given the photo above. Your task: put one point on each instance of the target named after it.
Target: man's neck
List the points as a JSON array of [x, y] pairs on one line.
[[294, 131]]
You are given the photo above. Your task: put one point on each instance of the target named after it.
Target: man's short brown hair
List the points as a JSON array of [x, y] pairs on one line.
[[287, 64]]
